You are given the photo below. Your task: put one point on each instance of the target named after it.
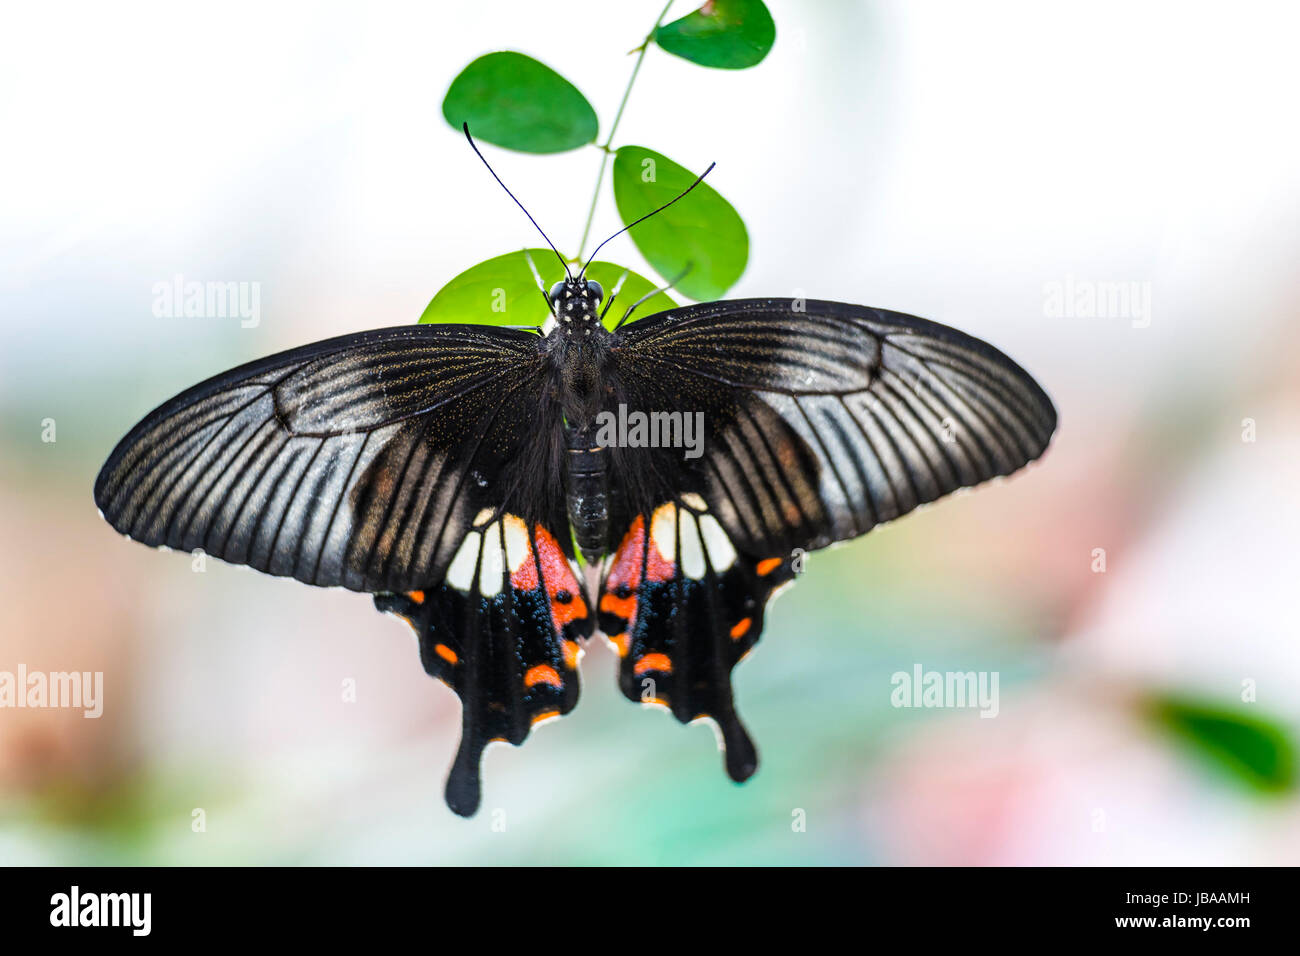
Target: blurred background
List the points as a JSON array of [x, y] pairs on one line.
[[962, 162]]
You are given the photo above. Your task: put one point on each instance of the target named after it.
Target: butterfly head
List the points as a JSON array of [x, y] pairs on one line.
[[576, 302]]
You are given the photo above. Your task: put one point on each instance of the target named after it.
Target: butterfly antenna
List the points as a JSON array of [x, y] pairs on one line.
[[650, 295], [698, 179], [474, 146]]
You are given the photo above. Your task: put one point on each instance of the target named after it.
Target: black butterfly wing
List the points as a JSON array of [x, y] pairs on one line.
[[683, 607], [382, 462], [820, 421], [502, 630], [355, 462], [824, 419]]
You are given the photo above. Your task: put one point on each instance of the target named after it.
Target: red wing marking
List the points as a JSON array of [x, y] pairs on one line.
[[562, 587], [525, 577], [624, 578]]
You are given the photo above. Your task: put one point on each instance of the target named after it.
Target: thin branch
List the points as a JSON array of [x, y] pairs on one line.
[[609, 141]]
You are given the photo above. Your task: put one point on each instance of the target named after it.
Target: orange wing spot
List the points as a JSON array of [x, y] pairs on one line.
[[653, 662], [570, 654], [623, 607], [768, 565], [446, 653], [542, 674], [622, 642], [564, 614], [545, 715], [416, 596], [742, 628]]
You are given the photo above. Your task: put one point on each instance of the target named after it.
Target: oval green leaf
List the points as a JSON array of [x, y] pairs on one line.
[[1251, 749], [511, 100], [502, 291], [702, 231], [727, 34]]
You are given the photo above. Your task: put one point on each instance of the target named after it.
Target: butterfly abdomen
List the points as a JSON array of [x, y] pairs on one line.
[[587, 491]]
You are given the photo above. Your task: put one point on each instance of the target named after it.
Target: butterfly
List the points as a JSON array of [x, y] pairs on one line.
[[464, 475]]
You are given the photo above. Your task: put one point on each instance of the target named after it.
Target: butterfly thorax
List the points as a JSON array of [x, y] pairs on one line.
[[577, 346]]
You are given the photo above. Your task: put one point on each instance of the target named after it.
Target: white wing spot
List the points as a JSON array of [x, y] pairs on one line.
[[692, 553], [721, 554], [518, 546], [489, 578], [460, 573], [692, 500], [663, 531]]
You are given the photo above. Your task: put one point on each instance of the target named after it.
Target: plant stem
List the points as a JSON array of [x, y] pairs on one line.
[[609, 141]]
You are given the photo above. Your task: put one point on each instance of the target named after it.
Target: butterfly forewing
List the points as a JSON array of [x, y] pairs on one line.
[[356, 462], [823, 420]]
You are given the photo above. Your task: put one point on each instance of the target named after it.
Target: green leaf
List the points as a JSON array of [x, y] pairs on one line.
[[702, 231], [513, 101], [498, 291], [1253, 749], [502, 291], [728, 34], [634, 286]]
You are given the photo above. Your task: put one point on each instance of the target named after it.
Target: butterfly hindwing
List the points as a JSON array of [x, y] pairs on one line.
[[502, 631], [682, 607], [820, 421]]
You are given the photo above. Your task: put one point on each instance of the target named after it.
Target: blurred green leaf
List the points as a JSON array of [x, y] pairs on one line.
[[1253, 749], [502, 291], [728, 34], [702, 231], [513, 101]]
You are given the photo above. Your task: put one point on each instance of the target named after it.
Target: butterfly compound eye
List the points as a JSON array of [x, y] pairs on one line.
[[594, 288], [556, 289]]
